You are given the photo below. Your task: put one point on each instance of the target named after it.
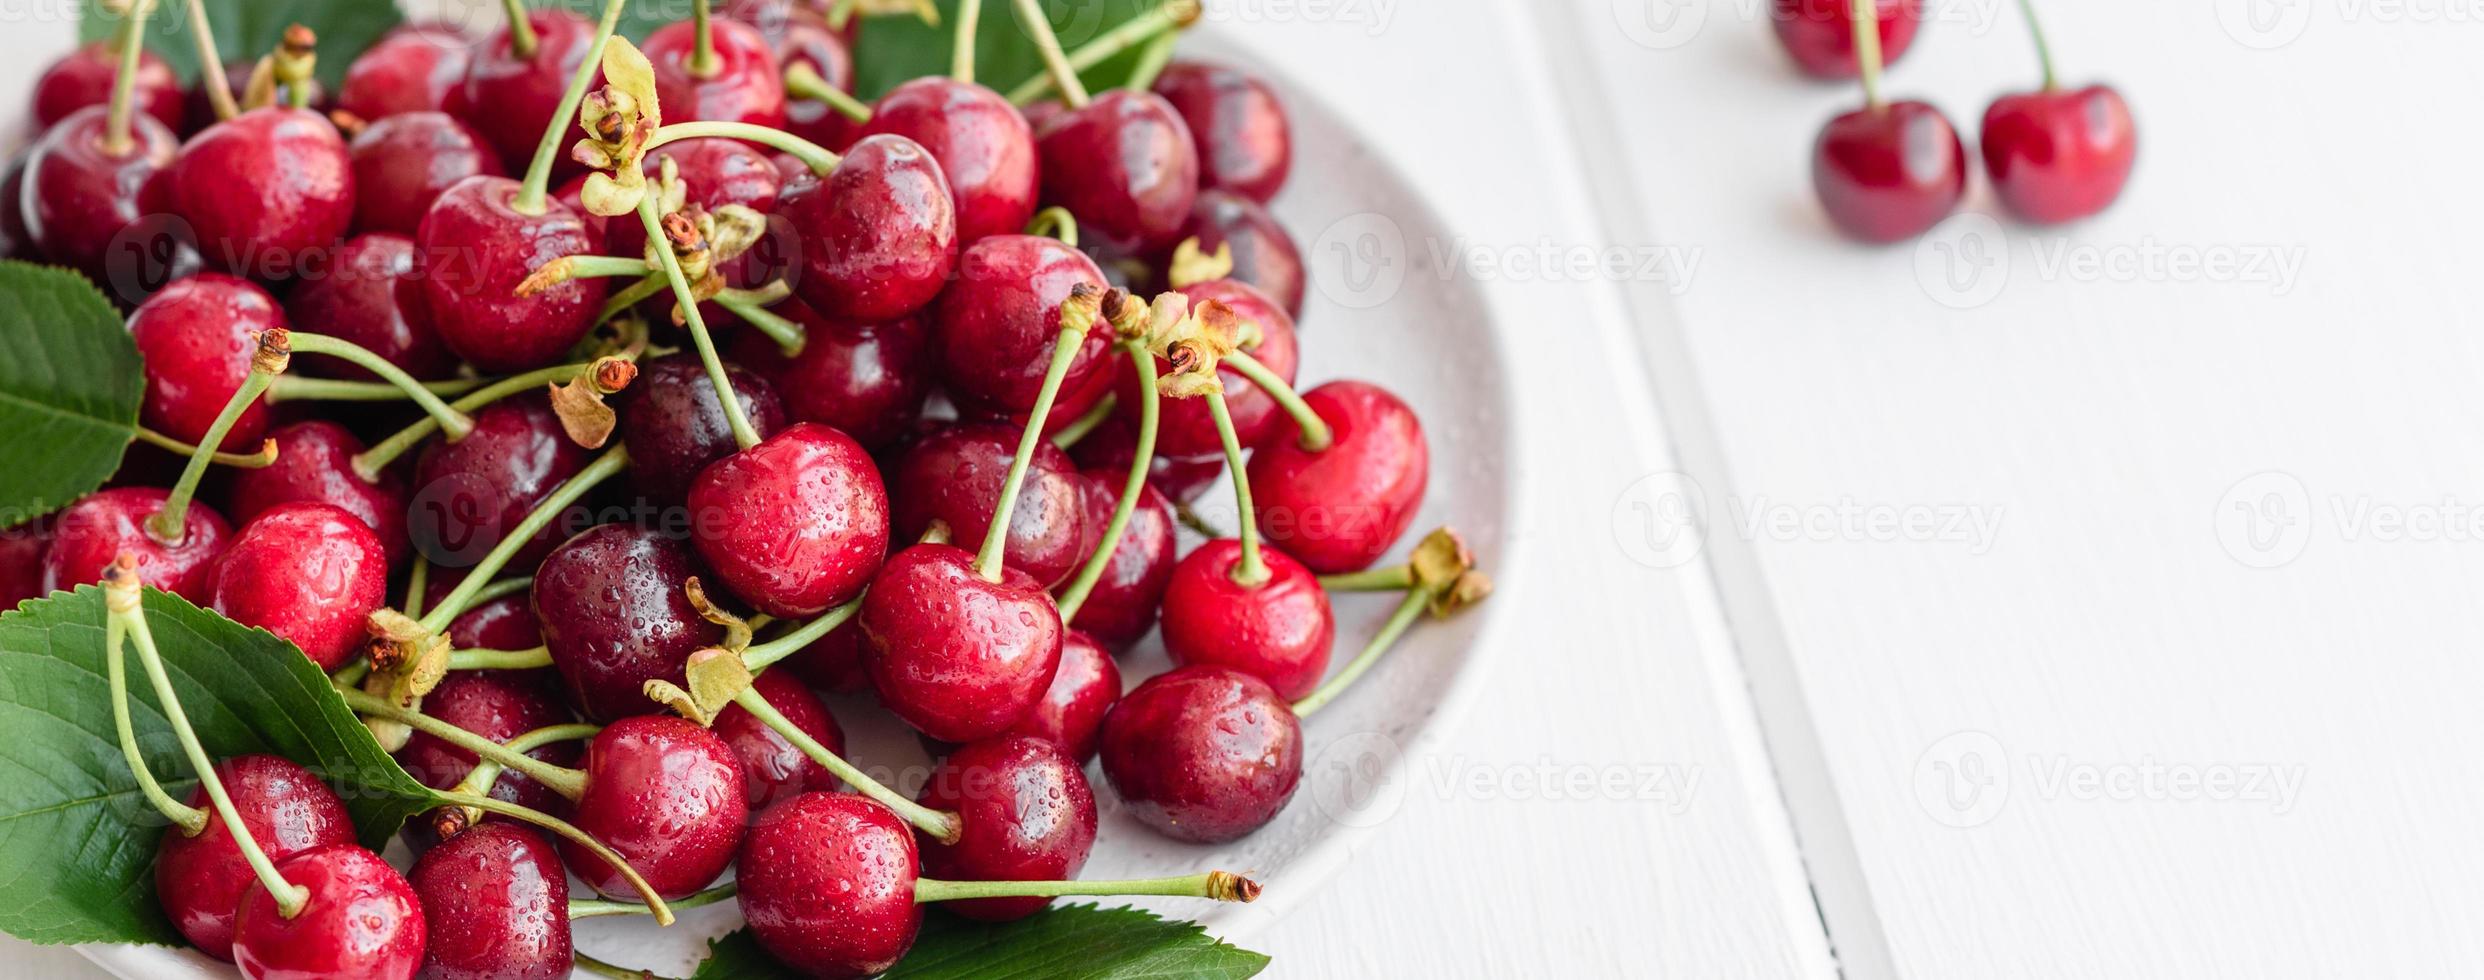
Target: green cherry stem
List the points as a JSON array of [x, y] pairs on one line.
[[191, 820], [743, 434], [820, 159], [605, 467], [417, 582], [996, 540], [1142, 457], [621, 302], [521, 29], [1222, 886], [1407, 611], [760, 656], [1866, 15], [1085, 425], [1374, 580], [369, 463], [1316, 436], [453, 422], [702, 41], [570, 783], [805, 82], [133, 43], [1252, 572], [589, 964], [1152, 61], [536, 190], [478, 780], [211, 65], [655, 903], [294, 388], [264, 458], [962, 45], [1163, 22], [504, 587], [1057, 222], [587, 908], [790, 337], [2044, 49], [171, 524], [601, 267], [1197, 524], [500, 659], [1064, 74], [941, 825]]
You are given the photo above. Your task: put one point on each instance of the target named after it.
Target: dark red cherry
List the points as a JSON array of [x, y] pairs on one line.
[[21, 564], [311, 573], [505, 623], [957, 657], [1026, 815], [1820, 33], [80, 199], [984, 147], [879, 233], [15, 242], [865, 379], [199, 110], [2059, 154], [827, 883], [834, 662], [615, 615], [745, 84], [265, 191], [773, 770], [314, 464], [198, 337], [496, 903], [371, 296], [674, 425], [1071, 712], [470, 493], [806, 39], [200, 880], [1125, 165], [499, 705], [512, 99], [84, 78], [998, 324], [955, 476], [1340, 509], [1112, 445], [794, 525], [1187, 427], [1245, 143], [1203, 754], [1264, 255], [1279, 631], [411, 69], [89, 534], [477, 249], [362, 920], [1889, 173], [1122, 607], [404, 162], [667, 796]]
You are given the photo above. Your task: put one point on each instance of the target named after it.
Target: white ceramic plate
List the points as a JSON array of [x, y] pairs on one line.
[[1429, 339]]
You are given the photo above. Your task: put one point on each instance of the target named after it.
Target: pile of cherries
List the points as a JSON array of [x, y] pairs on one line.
[[1891, 170], [666, 385]]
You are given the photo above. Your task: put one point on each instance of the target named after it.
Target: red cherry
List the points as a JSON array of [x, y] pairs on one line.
[[2059, 155], [15, 242], [88, 534], [496, 903], [404, 162], [410, 69], [998, 323], [468, 494], [1203, 754], [1889, 173], [984, 146], [265, 191], [1245, 143], [674, 425], [80, 200], [958, 657], [362, 920], [773, 769], [806, 39], [794, 525], [667, 796], [1820, 33], [879, 233], [615, 616], [505, 623], [1024, 812], [198, 337], [713, 173], [372, 297], [572, 196], [865, 379], [499, 705], [1341, 508], [200, 880], [1112, 444], [1186, 427], [745, 84], [310, 573], [1264, 255], [1279, 631], [1122, 607], [21, 564], [827, 883], [84, 78], [314, 464], [1125, 165], [1071, 712], [512, 99], [834, 662], [198, 109], [478, 248], [955, 476]]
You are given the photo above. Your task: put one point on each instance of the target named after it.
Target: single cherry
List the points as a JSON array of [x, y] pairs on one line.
[[470, 493], [674, 425], [1125, 164], [372, 297], [1180, 480], [479, 246], [505, 623], [615, 615], [667, 796], [496, 904], [1026, 814], [794, 525], [1340, 508], [865, 379], [1245, 143], [1820, 33], [84, 78], [1890, 172], [773, 769], [998, 323], [314, 464], [200, 879], [80, 196], [955, 476], [879, 233], [87, 535], [311, 573], [2059, 155], [498, 705], [21, 564], [264, 191], [827, 883], [1122, 607], [1280, 630], [412, 68], [1203, 753], [1071, 712], [1264, 255], [1188, 428], [511, 96], [198, 337], [984, 146], [403, 163], [362, 920], [743, 84], [958, 657]]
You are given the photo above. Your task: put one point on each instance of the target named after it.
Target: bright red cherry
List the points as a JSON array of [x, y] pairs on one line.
[[89, 534], [410, 69], [362, 920], [674, 425], [1071, 712], [667, 796], [84, 78], [470, 493], [1125, 165], [1026, 815], [310, 573], [1122, 607], [1279, 631], [499, 705], [1246, 145], [955, 476], [314, 464], [1820, 33], [773, 769], [496, 904], [984, 147], [371, 296], [479, 247], [958, 657], [1203, 754], [795, 525], [200, 880], [1340, 508], [80, 199], [21, 564], [867, 380], [198, 337], [1890, 172], [1187, 428], [1111, 446], [512, 98], [827, 883], [264, 191], [743, 85], [879, 233], [1264, 255], [616, 615], [998, 323], [2059, 154], [404, 162]]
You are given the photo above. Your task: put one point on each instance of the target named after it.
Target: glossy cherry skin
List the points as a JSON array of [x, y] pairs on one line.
[[1181, 480], [499, 705], [806, 39], [314, 464], [834, 662], [1340, 509], [505, 623], [371, 295], [80, 199], [827, 882], [879, 233], [1279, 631], [2059, 155], [468, 494], [1122, 607], [957, 657], [984, 147], [200, 880], [746, 85], [1891, 173], [867, 380], [478, 247], [1246, 144], [1025, 813], [198, 337], [89, 534], [667, 796], [1125, 165], [998, 323], [310, 573], [1264, 254], [512, 99], [1071, 712], [674, 425], [362, 921], [496, 904], [410, 69], [1203, 754], [615, 615], [1186, 427], [795, 525], [404, 162], [1820, 33], [21, 564], [84, 77], [773, 770], [955, 476], [264, 191]]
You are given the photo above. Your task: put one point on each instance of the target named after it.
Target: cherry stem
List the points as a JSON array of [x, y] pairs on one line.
[[1056, 221], [500, 659], [125, 78], [370, 463], [602, 969], [1222, 886], [295, 388], [532, 194], [655, 903], [761, 656], [1392, 579], [521, 29], [941, 825], [962, 52], [1152, 61], [478, 780], [1064, 74], [790, 337], [264, 458], [1085, 425], [2044, 49], [585, 908], [743, 434], [1142, 457], [1252, 572], [170, 525], [703, 41], [1316, 436], [1866, 16], [620, 302], [1198, 525], [805, 82], [211, 65], [820, 159], [1407, 611], [504, 587], [605, 467], [996, 539], [601, 267], [570, 783], [417, 582], [1158, 23], [191, 820], [453, 422]]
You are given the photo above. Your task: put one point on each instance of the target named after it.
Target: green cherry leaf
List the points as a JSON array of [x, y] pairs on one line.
[[70, 384], [247, 30], [1065, 942], [895, 49]]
